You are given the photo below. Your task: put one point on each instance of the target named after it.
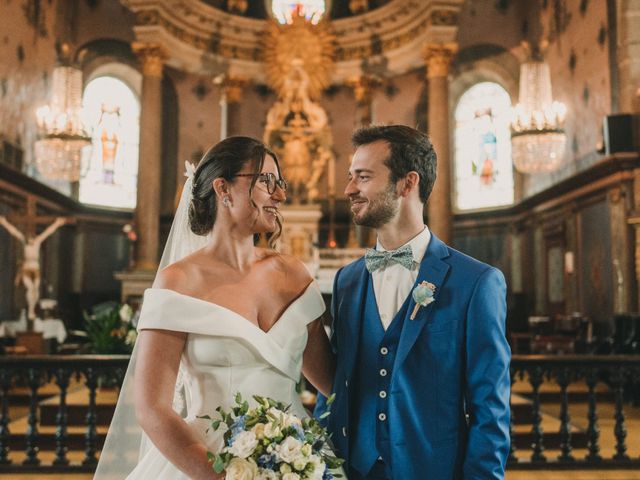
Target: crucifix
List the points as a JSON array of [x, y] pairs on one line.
[[29, 271]]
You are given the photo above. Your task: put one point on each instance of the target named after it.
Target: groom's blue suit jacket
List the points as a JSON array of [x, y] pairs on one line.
[[449, 391]]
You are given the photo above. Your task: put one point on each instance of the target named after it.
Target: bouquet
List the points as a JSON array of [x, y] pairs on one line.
[[269, 443], [111, 329]]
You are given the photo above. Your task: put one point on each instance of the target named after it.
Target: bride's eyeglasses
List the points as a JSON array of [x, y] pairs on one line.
[[269, 179]]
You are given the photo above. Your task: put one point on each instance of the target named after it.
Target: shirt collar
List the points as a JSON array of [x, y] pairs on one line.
[[418, 244]]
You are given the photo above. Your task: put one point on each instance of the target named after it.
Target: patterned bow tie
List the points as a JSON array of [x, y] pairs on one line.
[[374, 259]]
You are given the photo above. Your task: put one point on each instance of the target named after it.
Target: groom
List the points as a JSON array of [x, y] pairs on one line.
[[421, 390]]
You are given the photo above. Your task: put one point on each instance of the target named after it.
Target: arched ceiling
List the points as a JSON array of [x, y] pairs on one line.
[[259, 9], [205, 39]]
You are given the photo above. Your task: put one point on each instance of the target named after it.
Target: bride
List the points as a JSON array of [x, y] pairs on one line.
[[223, 316]]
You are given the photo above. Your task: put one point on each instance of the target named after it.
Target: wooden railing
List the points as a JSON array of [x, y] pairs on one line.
[[33, 372], [608, 382], [620, 377]]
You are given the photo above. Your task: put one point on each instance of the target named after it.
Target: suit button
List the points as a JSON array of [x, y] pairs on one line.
[[383, 394], [384, 350], [383, 372], [382, 417], [346, 383], [344, 431]]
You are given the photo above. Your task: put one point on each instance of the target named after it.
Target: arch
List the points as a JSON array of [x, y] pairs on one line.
[[112, 109], [483, 168]]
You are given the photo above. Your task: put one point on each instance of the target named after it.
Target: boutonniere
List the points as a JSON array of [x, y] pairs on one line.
[[423, 295]]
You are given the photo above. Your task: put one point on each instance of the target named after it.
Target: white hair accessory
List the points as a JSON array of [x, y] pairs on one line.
[[189, 169]]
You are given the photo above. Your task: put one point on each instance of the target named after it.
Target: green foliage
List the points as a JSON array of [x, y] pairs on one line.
[[109, 329], [276, 417]]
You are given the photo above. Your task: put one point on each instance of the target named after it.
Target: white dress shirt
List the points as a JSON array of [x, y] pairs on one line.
[[393, 283]]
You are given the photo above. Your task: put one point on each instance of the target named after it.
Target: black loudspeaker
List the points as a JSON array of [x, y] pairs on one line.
[[622, 133]]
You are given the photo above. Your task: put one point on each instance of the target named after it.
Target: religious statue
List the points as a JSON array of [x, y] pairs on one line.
[[299, 60], [29, 271]]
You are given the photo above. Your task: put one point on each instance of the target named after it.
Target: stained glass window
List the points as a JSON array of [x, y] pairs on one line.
[[483, 165], [285, 10], [113, 111]]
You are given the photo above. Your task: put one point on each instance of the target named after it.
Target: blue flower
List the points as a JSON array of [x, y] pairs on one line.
[[299, 431], [237, 427], [267, 462], [327, 475]]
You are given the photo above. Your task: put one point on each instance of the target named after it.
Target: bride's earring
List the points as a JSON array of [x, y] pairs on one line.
[[225, 201]]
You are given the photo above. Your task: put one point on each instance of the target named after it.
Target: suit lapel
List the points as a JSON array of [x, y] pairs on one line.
[[353, 292], [434, 270]]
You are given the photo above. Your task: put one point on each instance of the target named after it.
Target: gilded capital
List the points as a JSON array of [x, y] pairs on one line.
[[232, 87], [363, 87], [438, 57], [151, 57]]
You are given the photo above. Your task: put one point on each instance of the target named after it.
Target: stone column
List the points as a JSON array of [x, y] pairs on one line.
[[438, 58], [231, 89], [628, 51], [151, 58], [364, 87]]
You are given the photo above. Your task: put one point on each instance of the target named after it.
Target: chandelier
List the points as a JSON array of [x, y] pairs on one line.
[[538, 139], [63, 139]]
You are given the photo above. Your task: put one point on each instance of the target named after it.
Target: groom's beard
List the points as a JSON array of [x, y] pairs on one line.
[[379, 210]]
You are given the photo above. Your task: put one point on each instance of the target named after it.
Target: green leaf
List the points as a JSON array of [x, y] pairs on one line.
[[219, 464], [330, 400]]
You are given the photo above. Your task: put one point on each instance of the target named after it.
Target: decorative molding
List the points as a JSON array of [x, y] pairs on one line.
[[363, 87], [311, 46], [152, 57], [204, 39], [438, 58], [232, 87]]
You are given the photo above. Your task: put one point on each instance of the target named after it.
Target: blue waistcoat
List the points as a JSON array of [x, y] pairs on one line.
[[375, 358]]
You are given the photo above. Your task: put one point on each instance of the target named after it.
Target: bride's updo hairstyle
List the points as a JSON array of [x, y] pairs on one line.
[[225, 160]]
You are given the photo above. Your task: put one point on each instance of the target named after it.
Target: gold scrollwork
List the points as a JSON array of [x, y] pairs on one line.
[[438, 58], [151, 56], [448, 18]]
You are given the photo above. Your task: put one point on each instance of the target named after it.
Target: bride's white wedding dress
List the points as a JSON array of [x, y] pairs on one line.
[[225, 353]]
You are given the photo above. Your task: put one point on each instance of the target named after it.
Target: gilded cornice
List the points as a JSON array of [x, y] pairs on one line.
[[151, 56], [438, 58], [397, 29]]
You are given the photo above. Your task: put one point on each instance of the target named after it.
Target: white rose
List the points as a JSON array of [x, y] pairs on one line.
[[266, 475], [131, 337], [275, 412], [291, 476], [318, 467], [290, 449], [243, 445], [240, 469], [290, 420], [285, 468], [299, 463], [271, 431], [126, 313]]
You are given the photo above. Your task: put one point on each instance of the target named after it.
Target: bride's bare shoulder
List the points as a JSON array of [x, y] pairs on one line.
[[292, 267], [174, 277]]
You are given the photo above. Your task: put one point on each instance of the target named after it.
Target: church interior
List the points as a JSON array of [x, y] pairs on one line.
[[534, 111]]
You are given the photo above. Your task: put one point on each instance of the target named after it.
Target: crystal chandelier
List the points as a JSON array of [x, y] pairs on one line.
[[63, 138], [537, 134]]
